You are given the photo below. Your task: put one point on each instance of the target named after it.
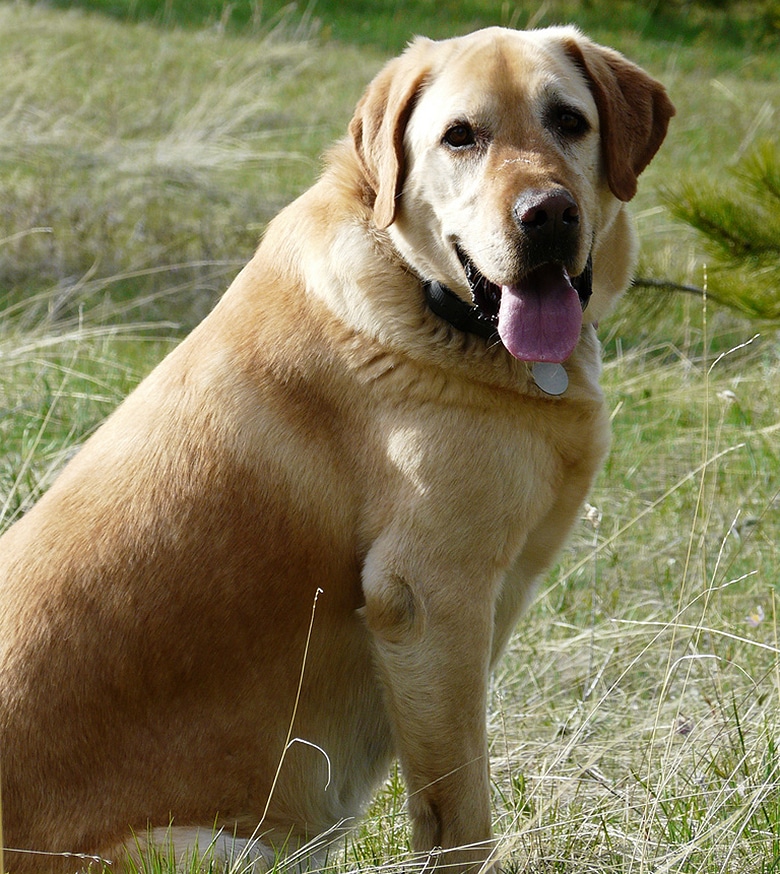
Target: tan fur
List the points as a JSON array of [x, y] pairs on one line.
[[323, 430]]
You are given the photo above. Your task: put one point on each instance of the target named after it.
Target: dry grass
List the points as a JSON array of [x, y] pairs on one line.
[[126, 149]]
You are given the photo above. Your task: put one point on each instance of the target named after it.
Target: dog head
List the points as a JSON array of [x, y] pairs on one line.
[[500, 162]]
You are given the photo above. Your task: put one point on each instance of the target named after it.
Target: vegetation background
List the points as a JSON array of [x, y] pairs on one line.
[[143, 147]]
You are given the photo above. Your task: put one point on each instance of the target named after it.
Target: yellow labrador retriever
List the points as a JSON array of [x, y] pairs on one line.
[[297, 549]]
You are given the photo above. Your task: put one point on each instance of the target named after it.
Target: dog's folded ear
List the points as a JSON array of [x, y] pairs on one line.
[[634, 112], [378, 125]]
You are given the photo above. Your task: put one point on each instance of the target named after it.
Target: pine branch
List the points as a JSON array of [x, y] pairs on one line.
[[739, 222], [666, 285]]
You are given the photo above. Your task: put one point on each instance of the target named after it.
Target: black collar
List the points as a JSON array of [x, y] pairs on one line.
[[448, 306]]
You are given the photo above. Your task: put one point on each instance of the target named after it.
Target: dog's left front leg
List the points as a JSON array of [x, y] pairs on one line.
[[432, 630]]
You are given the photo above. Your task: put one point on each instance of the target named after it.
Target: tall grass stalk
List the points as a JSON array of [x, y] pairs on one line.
[[2, 863]]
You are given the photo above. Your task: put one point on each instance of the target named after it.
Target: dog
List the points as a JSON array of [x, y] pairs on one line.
[[297, 549]]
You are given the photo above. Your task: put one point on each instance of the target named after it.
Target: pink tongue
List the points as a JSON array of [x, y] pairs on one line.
[[540, 319]]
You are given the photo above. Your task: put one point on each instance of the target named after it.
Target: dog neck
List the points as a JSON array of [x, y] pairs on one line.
[[552, 379]]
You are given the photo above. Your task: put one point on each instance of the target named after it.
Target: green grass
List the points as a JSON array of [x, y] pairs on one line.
[[634, 721], [648, 736], [388, 24]]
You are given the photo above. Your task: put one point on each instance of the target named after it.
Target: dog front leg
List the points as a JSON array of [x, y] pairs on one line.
[[432, 639]]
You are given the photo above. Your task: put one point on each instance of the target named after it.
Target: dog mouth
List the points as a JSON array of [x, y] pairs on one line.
[[540, 317]]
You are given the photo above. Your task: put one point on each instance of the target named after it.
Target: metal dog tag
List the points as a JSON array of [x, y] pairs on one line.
[[551, 378]]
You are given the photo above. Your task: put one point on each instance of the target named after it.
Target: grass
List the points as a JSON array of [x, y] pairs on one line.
[[634, 721], [653, 720], [387, 24]]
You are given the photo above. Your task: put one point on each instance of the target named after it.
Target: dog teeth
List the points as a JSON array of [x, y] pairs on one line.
[[485, 295], [490, 299]]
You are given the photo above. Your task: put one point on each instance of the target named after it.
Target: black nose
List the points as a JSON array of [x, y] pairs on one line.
[[550, 220]]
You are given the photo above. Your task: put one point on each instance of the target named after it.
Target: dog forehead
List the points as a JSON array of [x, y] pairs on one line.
[[497, 72]]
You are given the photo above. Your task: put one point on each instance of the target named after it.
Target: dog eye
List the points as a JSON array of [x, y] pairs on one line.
[[460, 136], [570, 123]]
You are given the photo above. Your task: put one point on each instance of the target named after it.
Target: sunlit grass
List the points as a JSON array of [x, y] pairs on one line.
[[643, 684], [125, 149]]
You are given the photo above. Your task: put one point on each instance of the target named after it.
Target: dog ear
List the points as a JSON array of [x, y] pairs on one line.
[[634, 112], [378, 125]]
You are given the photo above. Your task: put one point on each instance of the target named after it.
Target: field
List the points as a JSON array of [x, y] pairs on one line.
[[635, 720]]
